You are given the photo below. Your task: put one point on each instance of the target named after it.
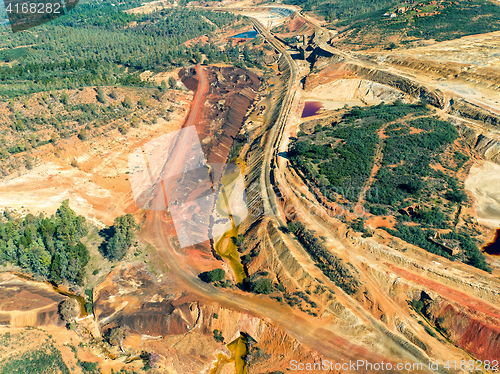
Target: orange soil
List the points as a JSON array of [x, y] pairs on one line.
[[385, 221]]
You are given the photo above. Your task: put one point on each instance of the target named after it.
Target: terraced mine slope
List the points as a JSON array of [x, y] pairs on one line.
[[372, 223]]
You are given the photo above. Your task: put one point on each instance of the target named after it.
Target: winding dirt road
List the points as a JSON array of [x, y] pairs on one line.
[[311, 333]]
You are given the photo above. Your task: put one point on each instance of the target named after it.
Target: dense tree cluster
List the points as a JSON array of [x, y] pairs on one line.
[[345, 166], [45, 359], [420, 237], [406, 185], [47, 246], [407, 157], [120, 237], [96, 43], [213, 276], [51, 247]]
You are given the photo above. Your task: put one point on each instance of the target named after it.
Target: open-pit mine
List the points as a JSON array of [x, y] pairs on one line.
[[328, 207]]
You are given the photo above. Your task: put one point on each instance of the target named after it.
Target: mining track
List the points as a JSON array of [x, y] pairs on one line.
[[311, 333]]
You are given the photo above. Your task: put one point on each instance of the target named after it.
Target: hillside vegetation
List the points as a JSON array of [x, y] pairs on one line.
[[367, 23], [342, 9], [408, 161], [99, 44], [437, 20]]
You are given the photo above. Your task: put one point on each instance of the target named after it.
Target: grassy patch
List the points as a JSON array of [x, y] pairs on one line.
[[43, 361]]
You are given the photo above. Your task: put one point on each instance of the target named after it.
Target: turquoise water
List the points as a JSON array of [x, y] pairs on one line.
[[247, 34]]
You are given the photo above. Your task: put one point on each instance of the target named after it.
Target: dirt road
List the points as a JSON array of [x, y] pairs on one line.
[[311, 333]]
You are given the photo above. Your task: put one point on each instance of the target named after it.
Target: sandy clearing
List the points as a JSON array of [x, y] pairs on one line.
[[99, 187], [49, 185], [484, 184], [336, 94]]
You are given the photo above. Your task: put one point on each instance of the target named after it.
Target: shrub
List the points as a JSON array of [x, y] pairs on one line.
[[218, 336], [127, 102], [262, 286], [212, 276]]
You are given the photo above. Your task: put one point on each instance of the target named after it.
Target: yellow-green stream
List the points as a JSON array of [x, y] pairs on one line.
[[238, 349], [225, 246]]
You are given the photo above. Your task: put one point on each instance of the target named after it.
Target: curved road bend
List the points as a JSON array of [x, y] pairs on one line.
[[310, 332], [274, 163]]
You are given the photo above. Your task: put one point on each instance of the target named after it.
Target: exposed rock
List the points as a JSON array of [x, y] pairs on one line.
[[468, 328], [180, 327], [484, 145], [433, 97], [468, 110], [28, 303]]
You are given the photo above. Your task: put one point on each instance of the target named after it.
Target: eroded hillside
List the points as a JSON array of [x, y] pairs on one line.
[[366, 219]]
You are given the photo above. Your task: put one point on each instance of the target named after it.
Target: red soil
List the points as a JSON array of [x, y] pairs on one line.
[[448, 292]]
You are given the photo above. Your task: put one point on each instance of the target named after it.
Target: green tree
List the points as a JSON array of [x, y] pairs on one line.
[[123, 232], [116, 247], [197, 57], [10, 252], [39, 258], [69, 227], [163, 86], [68, 310], [218, 336], [64, 98], [101, 96], [127, 226], [215, 275], [83, 134], [172, 83], [262, 285], [135, 122], [115, 336], [55, 269]]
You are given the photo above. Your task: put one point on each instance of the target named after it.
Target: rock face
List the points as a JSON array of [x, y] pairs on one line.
[[27, 303], [468, 110], [483, 139], [341, 68], [131, 297], [433, 97], [483, 144], [180, 327], [470, 329], [483, 75]]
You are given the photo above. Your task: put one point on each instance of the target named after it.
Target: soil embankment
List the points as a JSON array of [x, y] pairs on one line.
[[223, 98], [27, 303], [161, 317], [220, 117]]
